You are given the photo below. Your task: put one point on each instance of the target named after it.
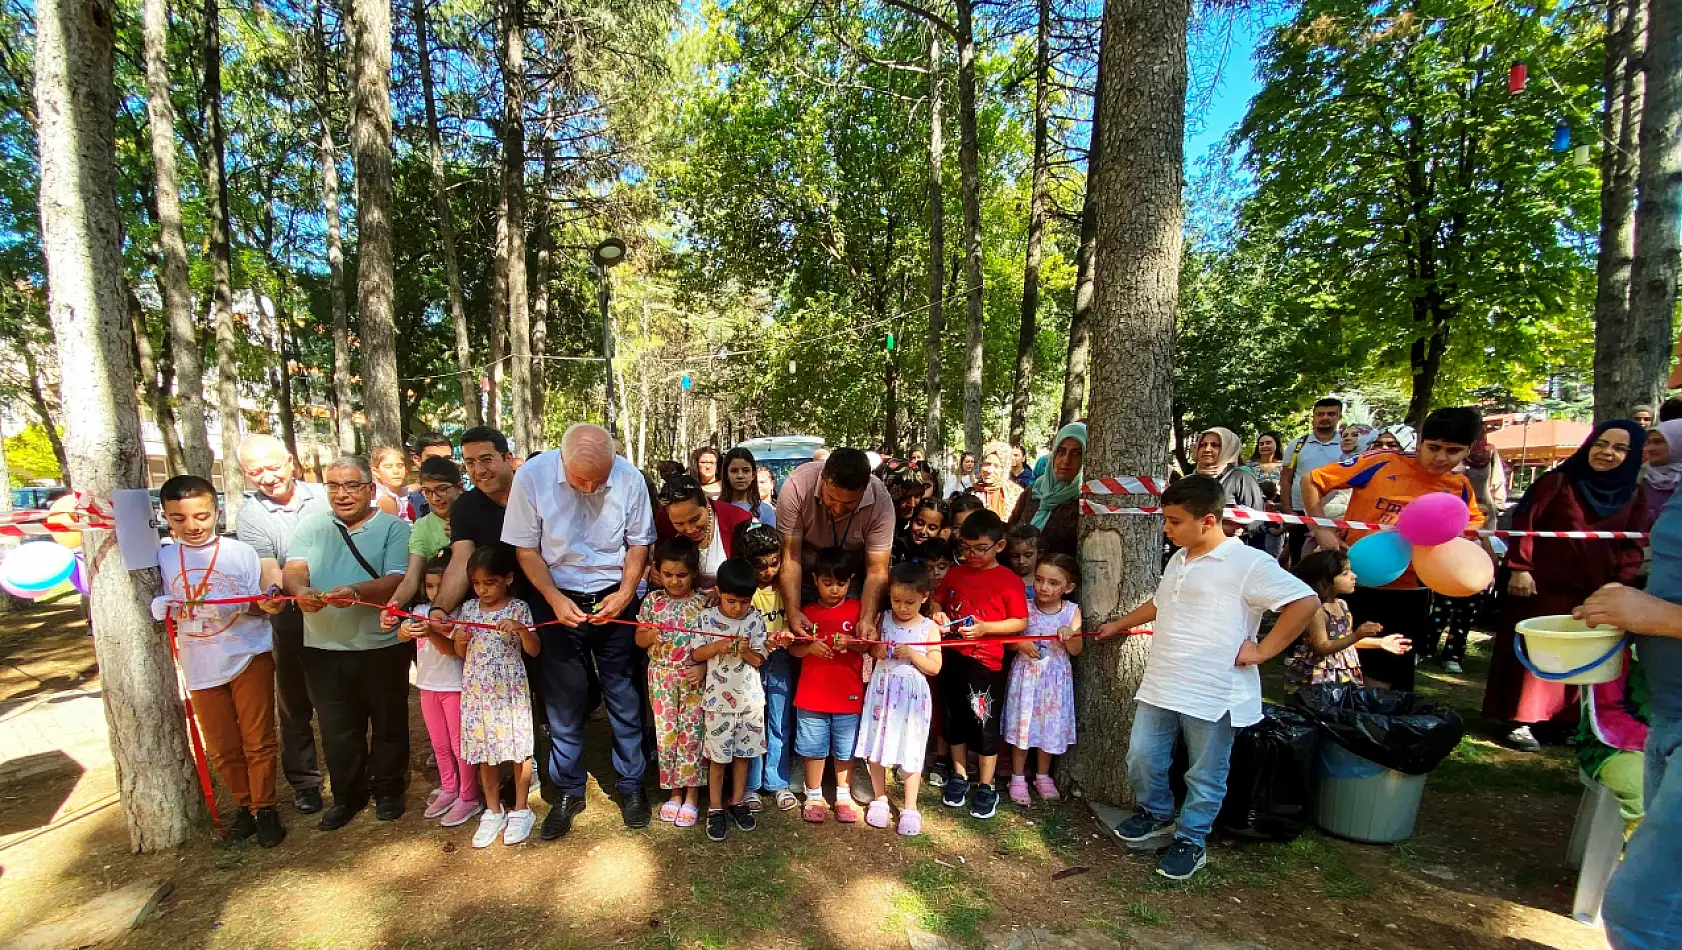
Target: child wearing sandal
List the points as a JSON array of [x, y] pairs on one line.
[[894, 728], [733, 703], [830, 693], [1040, 702], [674, 676]]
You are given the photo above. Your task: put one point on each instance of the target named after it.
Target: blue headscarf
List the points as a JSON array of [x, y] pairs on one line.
[[1606, 493], [1047, 489]]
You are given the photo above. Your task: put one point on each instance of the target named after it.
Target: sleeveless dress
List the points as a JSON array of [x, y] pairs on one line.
[[1040, 703], [495, 700], [1305, 668], [678, 725], [894, 726]]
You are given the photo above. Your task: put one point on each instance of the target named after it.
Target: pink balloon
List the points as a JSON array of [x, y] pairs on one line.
[[1431, 519]]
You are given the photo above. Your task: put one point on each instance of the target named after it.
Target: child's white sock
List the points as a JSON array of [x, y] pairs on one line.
[[814, 794]]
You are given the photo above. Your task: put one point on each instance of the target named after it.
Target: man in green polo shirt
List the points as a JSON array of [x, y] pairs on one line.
[[357, 673]]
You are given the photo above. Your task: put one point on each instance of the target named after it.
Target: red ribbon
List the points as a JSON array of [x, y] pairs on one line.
[[199, 758]]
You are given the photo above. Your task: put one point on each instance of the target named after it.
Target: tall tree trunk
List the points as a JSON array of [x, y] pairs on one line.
[[1142, 101], [1626, 24], [934, 433], [1079, 360], [1036, 230], [344, 411], [543, 231], [283, 372], [370, 141], [221, 267], [642, 397], [76, 102], [1649, 337], [969, 174], [153, 385], [514, 192], [498, 314], [44, 411], [446, 222], [177, 293]]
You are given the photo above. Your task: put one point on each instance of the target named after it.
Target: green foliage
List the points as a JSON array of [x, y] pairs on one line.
[[30, 459]]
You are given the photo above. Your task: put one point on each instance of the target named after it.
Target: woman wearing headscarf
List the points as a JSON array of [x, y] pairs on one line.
[[1398, 438], [1217, 457], [1052, 503], [993, 484], [1659, 478], [1596, 489]]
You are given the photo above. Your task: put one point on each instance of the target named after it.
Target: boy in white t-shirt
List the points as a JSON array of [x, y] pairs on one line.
[[1200, 681], [225, 651]]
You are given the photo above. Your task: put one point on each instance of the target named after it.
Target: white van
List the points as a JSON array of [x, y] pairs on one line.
[[782, 453]]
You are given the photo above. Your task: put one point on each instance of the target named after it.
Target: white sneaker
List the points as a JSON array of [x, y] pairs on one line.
[[1453, 666], [519, 826], [491, 824]]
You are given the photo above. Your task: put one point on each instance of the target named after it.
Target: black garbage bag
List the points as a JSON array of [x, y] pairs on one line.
[[1270, 784], [1398, 730]]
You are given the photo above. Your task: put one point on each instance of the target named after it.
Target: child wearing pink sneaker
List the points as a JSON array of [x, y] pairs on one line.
[[438, 677], [894, 728], [1040, 702]]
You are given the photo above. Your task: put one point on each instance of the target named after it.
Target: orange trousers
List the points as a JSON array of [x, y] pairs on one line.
[[238, 722]]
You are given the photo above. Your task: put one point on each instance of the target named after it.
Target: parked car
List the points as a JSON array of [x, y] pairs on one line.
[[33, 501], [782, 453]]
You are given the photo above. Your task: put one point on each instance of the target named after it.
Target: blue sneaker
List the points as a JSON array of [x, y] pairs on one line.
[[1142, 832], [1182, 860], [956, 792], [986, 803]]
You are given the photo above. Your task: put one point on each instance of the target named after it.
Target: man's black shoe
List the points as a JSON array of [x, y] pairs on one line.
[[340, 815], [269, 831], [242, 826], [389, 809], [307, 800], [634, 809], [559, 820]]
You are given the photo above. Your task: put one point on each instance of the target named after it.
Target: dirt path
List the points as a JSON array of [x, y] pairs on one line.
[[1485, 872]]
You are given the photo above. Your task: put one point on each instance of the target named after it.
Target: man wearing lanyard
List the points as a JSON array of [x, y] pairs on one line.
[[581, 522], [266, 522], [836, 502]]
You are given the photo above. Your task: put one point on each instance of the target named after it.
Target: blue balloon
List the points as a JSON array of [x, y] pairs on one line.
[[1562, 138], [1380, 558]]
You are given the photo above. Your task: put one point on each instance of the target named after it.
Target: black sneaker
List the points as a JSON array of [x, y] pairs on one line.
[[242, 826], [1182, 860], [307, 800], [956, 792], [741, 815], [938, 773], [1143, 832], [717, 825], [1520, 739], [558, 822], [269, 830], [340, 814], [389, 809], [986, 803]]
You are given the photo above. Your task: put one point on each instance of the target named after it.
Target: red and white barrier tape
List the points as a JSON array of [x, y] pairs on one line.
[[90, 514], [1247, 515], [1125, 485]]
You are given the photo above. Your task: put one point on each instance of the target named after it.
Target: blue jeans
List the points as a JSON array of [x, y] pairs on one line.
[[1150, 755], [819, 735], [565, 689], [1643, 905], [770, 772]]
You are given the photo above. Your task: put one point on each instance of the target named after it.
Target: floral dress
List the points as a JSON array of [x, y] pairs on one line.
[[495, 700], [1305, 668], [894, 726], [1040, 702], [675, 703]]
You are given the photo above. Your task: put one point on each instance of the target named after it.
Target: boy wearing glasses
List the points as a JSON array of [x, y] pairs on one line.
[[440, 485], [984, 599]]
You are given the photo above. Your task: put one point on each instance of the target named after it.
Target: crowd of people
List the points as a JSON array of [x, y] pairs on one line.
[[863, 610]]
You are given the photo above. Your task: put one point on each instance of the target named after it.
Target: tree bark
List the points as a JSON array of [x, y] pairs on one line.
[[514, 193], [1136, 292], [1649, 338], [1626, 24], [969, 174], [498, 314], [221, 266], [1036, 231], [543, 231], [370, 31], [344, 411], [283, 373], [44, 411], [173, 286], [153, 385], [446, 223], [76, 102], [1079, 359], [934, 433]]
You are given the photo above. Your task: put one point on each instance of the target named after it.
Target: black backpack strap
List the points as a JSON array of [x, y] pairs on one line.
[[344, 532]]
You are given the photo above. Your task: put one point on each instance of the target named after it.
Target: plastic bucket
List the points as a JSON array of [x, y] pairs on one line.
[[1363, 801], [1562, 649]]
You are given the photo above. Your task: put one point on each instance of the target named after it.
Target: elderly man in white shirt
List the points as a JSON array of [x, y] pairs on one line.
[[581, 521]]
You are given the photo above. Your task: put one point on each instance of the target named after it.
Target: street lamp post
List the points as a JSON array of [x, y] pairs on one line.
[[607, 254]]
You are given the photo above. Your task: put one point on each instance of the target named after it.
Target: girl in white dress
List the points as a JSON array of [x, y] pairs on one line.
[[894, 727], [1040, 703]]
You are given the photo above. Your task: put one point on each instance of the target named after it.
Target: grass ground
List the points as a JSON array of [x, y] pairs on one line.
[[1484, 872]]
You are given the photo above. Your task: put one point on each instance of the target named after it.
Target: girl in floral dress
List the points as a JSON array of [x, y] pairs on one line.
[[674, 678], [1326, 653], [495, 700], [1040, 701], [894, 726]]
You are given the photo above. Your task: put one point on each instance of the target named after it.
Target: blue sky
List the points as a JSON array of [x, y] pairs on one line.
[[1237, 84]]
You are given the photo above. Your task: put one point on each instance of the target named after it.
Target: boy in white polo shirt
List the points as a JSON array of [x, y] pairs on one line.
[[1200, 680]]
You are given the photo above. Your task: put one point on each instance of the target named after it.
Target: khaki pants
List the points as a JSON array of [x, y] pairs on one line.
[[238, 721]]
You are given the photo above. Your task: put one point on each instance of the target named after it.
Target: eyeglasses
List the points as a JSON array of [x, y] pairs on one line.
[[977, 549], [344, 488], [442, 491]]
